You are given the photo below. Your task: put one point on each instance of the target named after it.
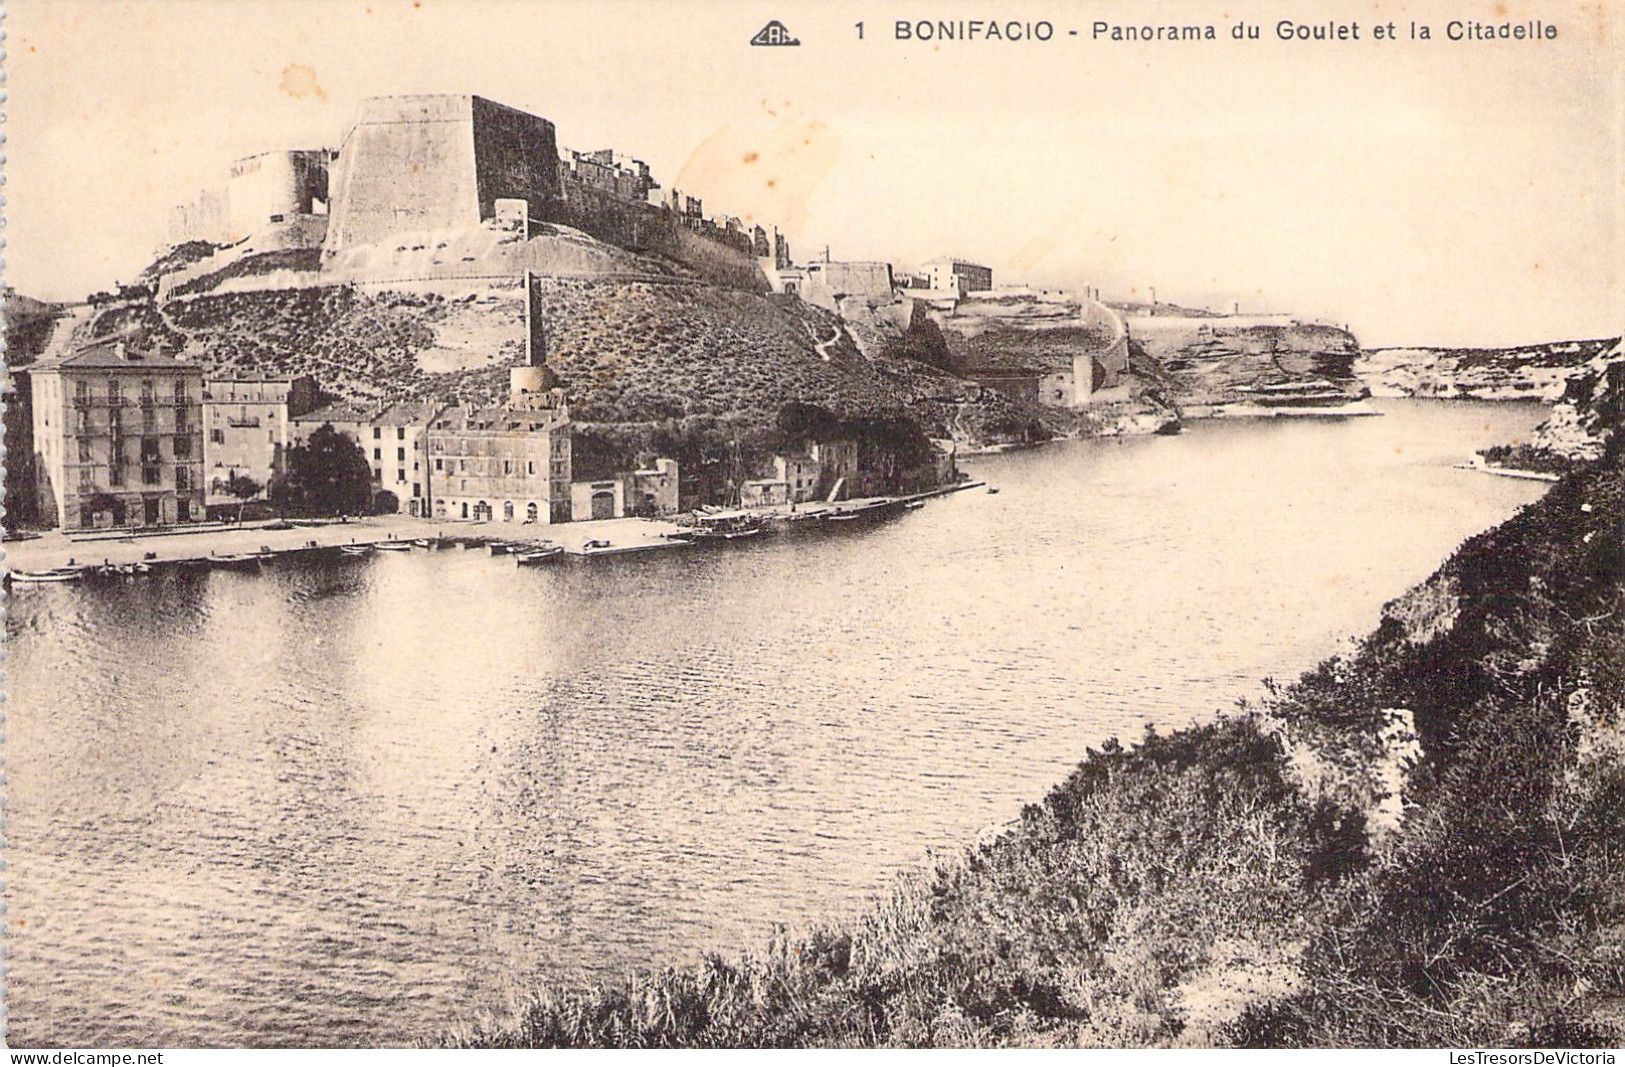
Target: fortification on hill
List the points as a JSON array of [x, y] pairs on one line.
[[424, 172]]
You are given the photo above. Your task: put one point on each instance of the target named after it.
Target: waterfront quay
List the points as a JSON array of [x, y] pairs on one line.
[[58, 549]]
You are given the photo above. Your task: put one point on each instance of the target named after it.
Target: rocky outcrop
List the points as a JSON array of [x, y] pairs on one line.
[[1528, 372], [1217, 362]]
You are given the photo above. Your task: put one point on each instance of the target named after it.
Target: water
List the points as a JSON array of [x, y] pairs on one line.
[[362, 801]]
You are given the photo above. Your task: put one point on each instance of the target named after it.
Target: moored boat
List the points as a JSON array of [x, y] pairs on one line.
[[239, 561], [57, 574], [726, 527], [393, 546], [606, 548], [532, 557]]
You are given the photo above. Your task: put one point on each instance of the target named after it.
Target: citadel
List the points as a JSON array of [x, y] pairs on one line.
[[383, 287]]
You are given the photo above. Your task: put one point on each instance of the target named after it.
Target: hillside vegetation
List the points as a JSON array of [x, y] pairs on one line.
[[1420, 844]]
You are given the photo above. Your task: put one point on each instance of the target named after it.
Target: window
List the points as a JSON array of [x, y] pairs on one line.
[[507, 466], [84, 450], [377, 453], [183, 478], [417, 489], [462, 464], [400, 455], [530, 466], [217, 437], [400, 476], [377, 432], [400, 433], [439, 464], [183, 446], [180, 392], [151, 452], [377, 475], [150, 475]]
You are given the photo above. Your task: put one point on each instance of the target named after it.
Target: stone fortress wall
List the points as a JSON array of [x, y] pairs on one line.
[[410, 166]]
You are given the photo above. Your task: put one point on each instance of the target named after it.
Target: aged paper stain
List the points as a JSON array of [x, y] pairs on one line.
[[299, 80]]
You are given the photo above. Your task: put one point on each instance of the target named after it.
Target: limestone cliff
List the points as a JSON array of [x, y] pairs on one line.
[[1527, 372], [1214, 362]]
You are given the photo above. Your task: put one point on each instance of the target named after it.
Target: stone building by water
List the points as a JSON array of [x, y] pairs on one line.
[[118, 438], [249, 420], [510, 462]]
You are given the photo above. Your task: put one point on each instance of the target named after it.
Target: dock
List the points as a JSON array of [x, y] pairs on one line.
[[93, 553]]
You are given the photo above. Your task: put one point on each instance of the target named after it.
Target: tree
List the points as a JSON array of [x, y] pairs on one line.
[[244, 489], [326, 475]]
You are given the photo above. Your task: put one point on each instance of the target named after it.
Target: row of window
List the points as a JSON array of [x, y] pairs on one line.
[[151, 474], [115, 392], [151, 449], [507, 466]]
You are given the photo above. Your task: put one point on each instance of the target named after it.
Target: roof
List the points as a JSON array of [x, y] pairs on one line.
[[954, 261], [246, 377], [115, 355], [463, 419], [341, 412], [409, 413]]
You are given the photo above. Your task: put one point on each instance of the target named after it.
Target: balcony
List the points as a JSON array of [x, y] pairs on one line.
[[240, 422]]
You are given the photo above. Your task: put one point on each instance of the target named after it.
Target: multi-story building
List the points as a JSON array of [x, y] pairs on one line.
[[958, 274], [350, 419], [510, 462], [399, 458], [119, 438], [393, 438], [249, 420]]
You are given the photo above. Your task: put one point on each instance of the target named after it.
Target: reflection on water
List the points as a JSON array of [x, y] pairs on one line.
[[356, 802]]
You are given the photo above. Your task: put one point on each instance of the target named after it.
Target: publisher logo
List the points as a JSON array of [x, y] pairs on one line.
[[774, 34]]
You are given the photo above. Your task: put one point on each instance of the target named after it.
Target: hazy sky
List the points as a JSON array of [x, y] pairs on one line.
[[1437, 192]]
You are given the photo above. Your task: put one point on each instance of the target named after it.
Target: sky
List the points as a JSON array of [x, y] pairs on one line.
[[1421, 192]]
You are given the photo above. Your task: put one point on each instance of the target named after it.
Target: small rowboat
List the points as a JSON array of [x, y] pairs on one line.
[[605, 548], [240, 561], [393, 546], [356, 550], [58, 574], [505, 548], [532, 557], [430, 543]]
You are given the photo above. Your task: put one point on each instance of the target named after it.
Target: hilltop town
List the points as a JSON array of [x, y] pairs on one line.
[[448, 273]]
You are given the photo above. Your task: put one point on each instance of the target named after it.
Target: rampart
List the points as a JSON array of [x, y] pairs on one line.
[[410, 166], [423, 163]]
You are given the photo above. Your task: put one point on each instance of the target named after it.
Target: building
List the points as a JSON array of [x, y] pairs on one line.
[[399, 456], [118, 435], [409, 164], [655, 489], [348, 418], [268, 191], [828, 283], [249, 422], [646, 492], [1015, 383], [958, 275], [602, 499], [799, 473], [510, 462]]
